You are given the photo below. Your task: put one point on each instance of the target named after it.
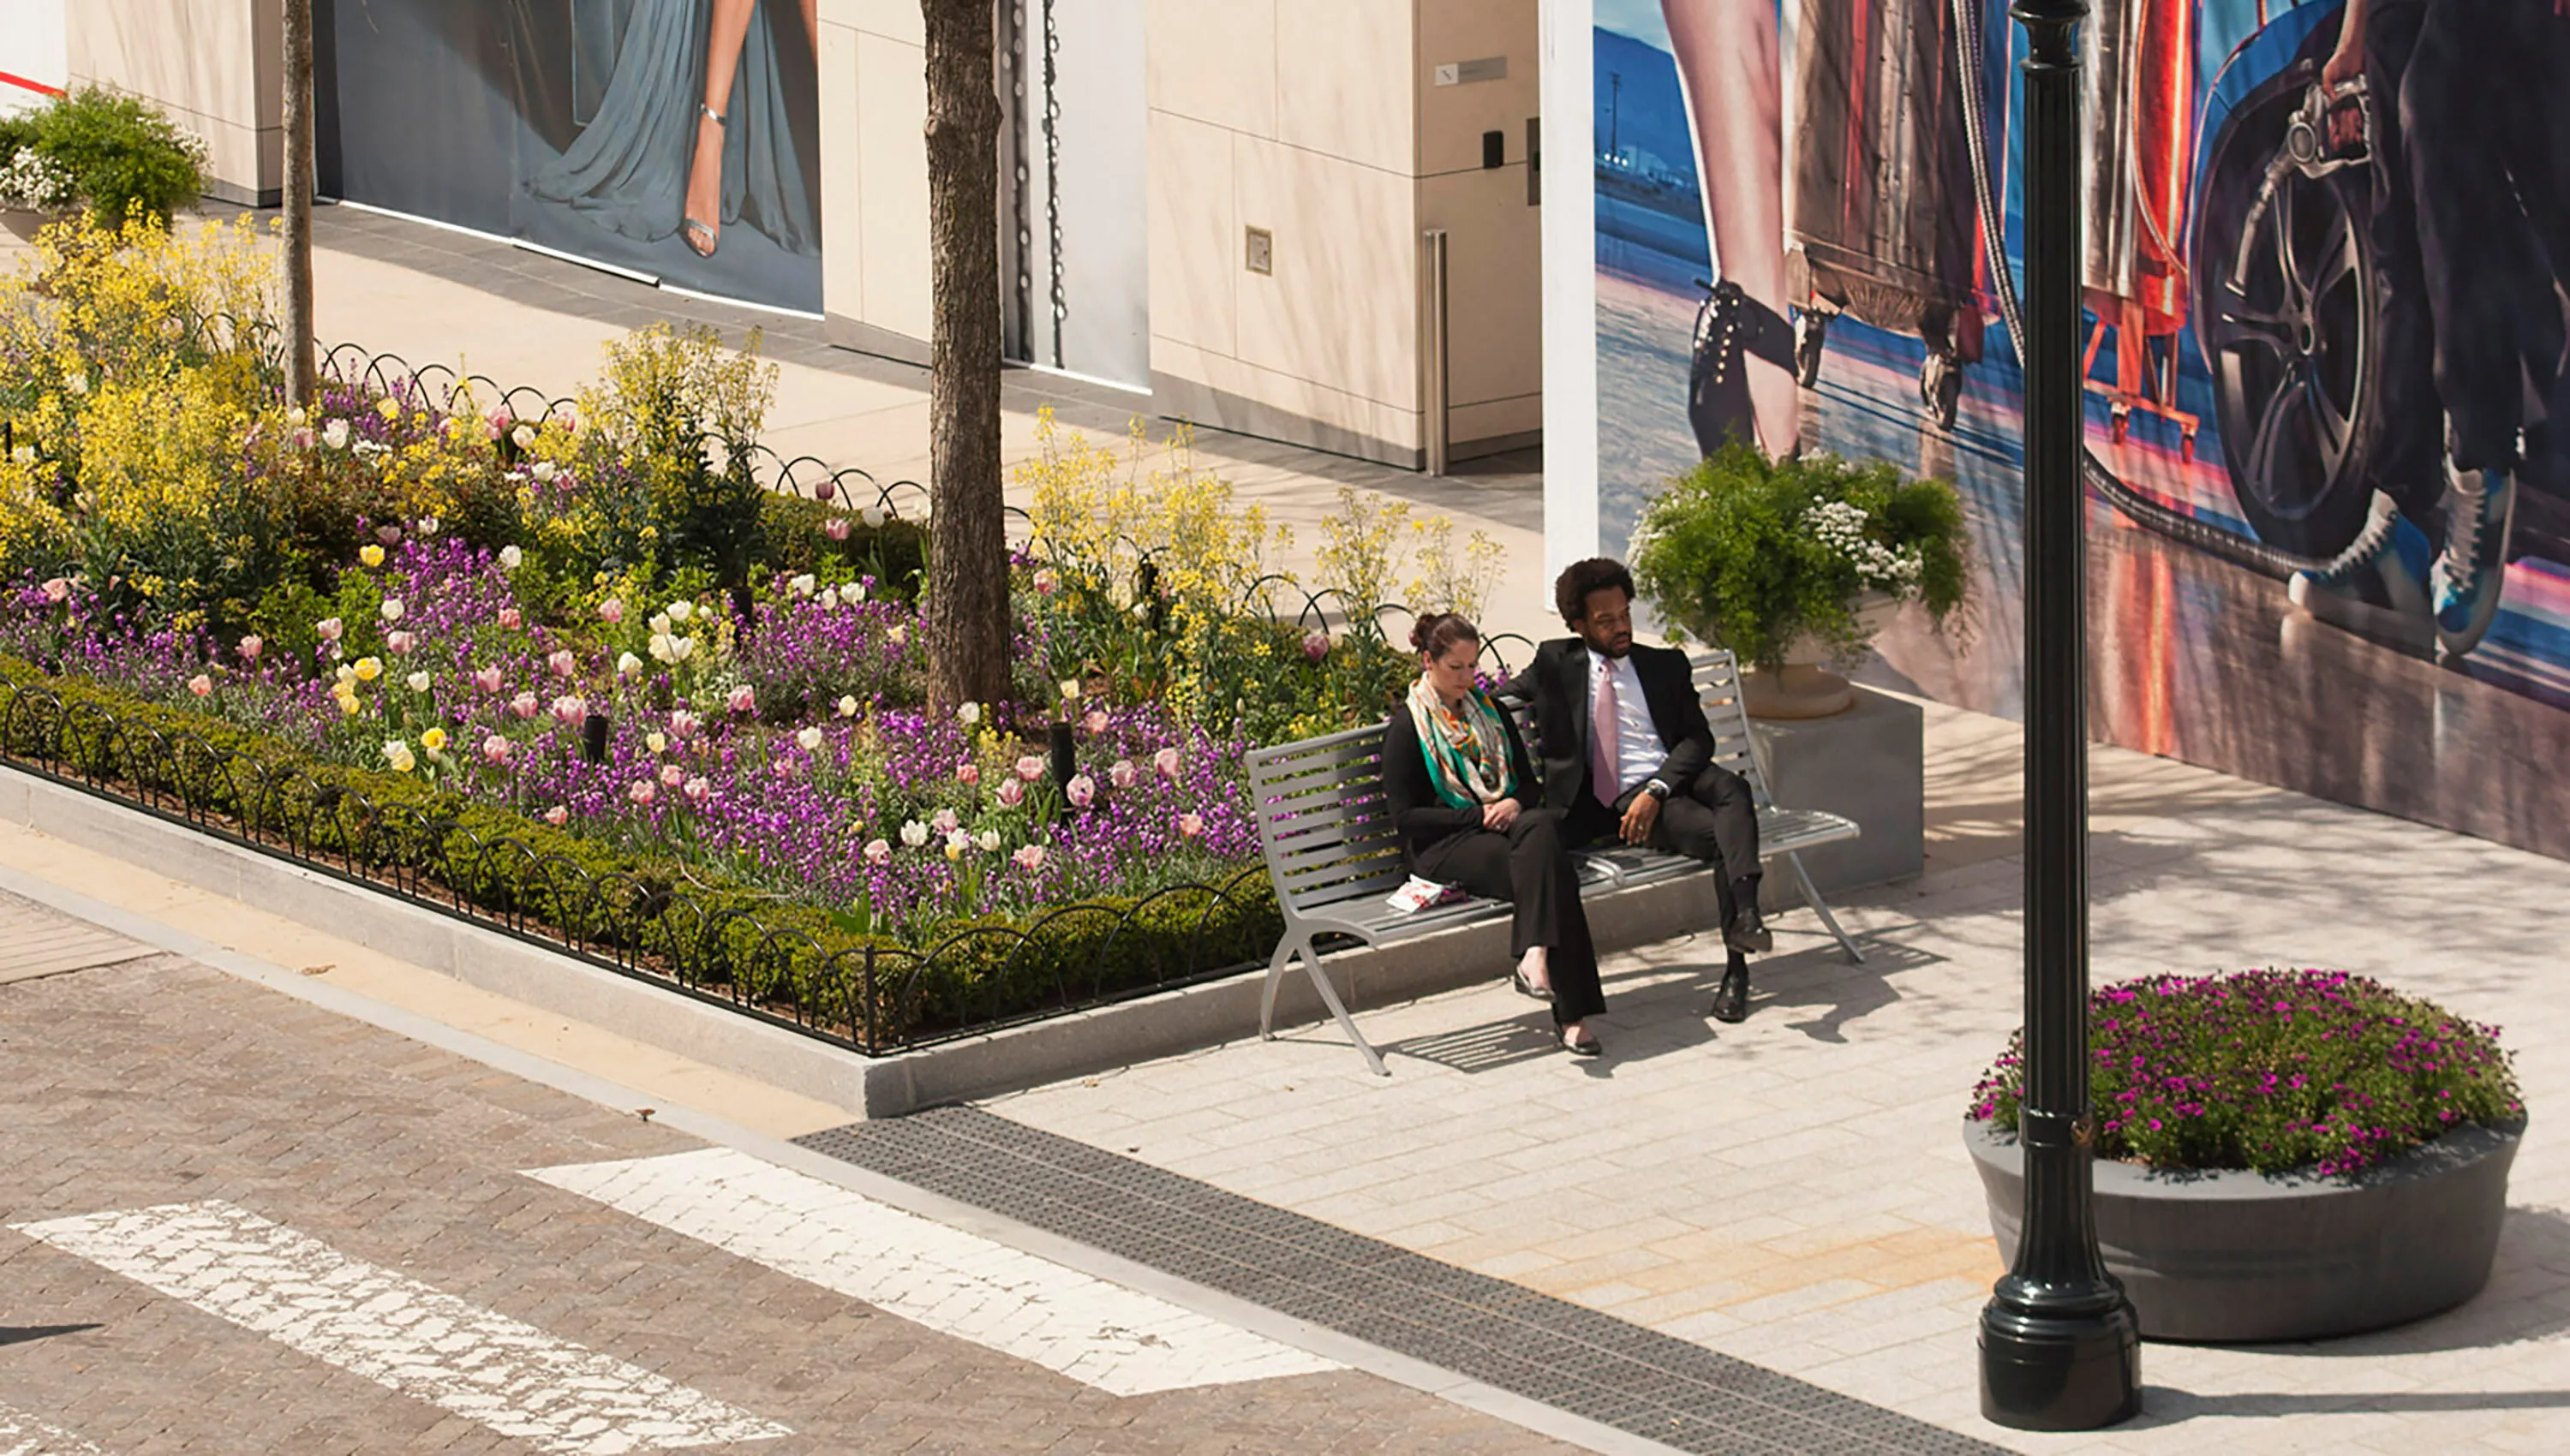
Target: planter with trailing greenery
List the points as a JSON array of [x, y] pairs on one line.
[[1797, 562], [2281, 1154], [118, 157]]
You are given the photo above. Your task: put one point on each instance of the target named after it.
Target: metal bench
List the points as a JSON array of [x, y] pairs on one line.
[[1327, 832]]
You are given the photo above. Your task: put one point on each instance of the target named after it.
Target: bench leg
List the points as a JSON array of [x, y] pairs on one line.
[[1812, 898], [1286, 952]]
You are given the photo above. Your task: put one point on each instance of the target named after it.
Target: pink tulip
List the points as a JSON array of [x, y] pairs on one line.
[[744, 699], [330, 628], [1031, 768], [388, 535], [487, 679], [1191, 825], [1029, 857], [822, 490], [399, 643], [301, 436], [944, 821], [495, 750], [1122, 774], [642, 792], [1316, 645], [497, 424], [1047, 584], [836, 527], [558, 816], [570, 710], [1010, 793], [57, 590], [202, 685], [524, 705], [698, 791], [683, 723], [786, 768], [967, 772], [1096, 722], [1082, 790], [878, 853], [563, 664], [671, 775], [251, 647], [511, 619], [1166, 763], [612, 610]]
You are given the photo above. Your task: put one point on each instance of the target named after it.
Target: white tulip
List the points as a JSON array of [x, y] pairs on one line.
[[392, 609], [336, 433], [872, 516], [680, 647], [847, 707], [511, 558], [802, 585], [418, 682], [809, 740], [914, 834], [629, 665], [969, 713], [681, 610], [987, 842]]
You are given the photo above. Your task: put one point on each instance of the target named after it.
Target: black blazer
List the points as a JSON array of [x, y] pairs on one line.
[[1557, 682], [1419, 817]]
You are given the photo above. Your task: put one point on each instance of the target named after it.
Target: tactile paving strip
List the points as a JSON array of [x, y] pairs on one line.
[[1595, 1365]]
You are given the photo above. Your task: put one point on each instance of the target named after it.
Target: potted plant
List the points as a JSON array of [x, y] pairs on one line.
[[2280, 1154], [117, 155], [1794, 563]]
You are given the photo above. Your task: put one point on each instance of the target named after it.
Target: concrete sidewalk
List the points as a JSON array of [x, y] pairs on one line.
[[1795, 1191]]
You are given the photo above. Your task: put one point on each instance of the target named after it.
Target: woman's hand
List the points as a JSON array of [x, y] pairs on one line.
[[1501, 815]]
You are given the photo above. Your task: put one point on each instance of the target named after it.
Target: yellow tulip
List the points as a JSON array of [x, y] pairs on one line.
[[434, 740], [369, 668], [372, 555]]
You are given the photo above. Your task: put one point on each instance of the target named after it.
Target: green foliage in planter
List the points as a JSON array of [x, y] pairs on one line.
[[708, 931], [1754, 552], [895, 553], [116, 155], [2272, 1070]]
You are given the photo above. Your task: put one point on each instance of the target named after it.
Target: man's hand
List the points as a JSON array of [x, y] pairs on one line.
[[1639, 815], [1501, 815], [2346, 64]]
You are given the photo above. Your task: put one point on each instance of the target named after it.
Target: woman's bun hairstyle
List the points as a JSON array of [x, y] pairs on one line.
[[1436, 633]]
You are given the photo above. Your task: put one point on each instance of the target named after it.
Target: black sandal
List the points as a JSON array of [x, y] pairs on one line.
[[1585, 1047]]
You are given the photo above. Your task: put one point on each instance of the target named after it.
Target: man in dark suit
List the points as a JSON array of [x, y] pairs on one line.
[[1627, 755]]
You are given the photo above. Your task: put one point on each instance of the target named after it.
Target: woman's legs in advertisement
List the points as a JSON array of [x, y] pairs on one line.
[[729, 25], [1731, 65]]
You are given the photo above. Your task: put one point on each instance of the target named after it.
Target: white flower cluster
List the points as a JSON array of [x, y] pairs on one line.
[[1840, 527], [32, 179]]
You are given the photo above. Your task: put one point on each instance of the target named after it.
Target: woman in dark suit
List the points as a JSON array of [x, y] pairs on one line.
[[1460, 786]]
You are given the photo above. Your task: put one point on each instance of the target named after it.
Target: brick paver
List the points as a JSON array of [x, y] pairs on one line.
[[158, 1082]]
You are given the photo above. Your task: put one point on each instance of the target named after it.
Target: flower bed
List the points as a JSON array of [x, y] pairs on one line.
[[604, 671], [2271, 1071]]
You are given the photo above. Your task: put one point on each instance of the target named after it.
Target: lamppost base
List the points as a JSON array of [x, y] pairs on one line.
[[2069, 1370]]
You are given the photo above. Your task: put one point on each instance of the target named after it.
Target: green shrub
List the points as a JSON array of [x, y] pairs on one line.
[[1753, 552], [118, 156]]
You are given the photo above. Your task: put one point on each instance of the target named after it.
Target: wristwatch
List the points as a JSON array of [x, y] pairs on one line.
[[1657, 789]]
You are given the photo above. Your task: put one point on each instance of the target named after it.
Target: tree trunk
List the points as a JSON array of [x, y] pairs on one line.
[[299, 381], [968, 575]]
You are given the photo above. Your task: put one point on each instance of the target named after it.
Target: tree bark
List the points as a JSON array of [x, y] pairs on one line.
[[966, 615], [299, 368]]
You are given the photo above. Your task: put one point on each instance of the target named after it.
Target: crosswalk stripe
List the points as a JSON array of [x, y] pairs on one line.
[[1104, 1335], [398, 1332], [23, 1436]]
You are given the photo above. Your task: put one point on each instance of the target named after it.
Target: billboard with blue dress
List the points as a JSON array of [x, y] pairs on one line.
[[2328, 283]]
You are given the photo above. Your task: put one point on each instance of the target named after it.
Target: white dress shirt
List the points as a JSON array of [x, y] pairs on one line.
[[1637, 739]]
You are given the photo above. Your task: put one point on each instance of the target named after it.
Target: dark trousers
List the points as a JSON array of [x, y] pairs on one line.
[[1714, 819], [1529, 867], [2485, 117]]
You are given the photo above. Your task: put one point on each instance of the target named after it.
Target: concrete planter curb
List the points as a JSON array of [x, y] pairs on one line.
[[2236, 1256], [660, 1016]]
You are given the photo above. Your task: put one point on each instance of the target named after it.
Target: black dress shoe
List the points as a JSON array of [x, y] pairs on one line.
[[1748, 932], [1731, 1002], [1587, 1047], [1529, 988]]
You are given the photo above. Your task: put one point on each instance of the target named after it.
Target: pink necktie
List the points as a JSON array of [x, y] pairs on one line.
[[1605, 762]]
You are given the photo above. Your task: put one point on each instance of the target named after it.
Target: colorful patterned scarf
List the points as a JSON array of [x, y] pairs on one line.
[[1467, 751]]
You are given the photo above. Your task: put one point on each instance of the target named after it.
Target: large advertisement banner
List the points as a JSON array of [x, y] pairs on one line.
[[674, 138], [2329, 342]]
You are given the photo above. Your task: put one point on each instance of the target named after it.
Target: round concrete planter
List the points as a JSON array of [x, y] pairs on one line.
[[2236, 1256]]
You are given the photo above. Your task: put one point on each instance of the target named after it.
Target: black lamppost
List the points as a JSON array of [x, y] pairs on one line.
[[2060, 1348]]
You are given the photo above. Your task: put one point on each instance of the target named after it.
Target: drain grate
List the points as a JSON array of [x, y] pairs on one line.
[[1595, 1365]]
